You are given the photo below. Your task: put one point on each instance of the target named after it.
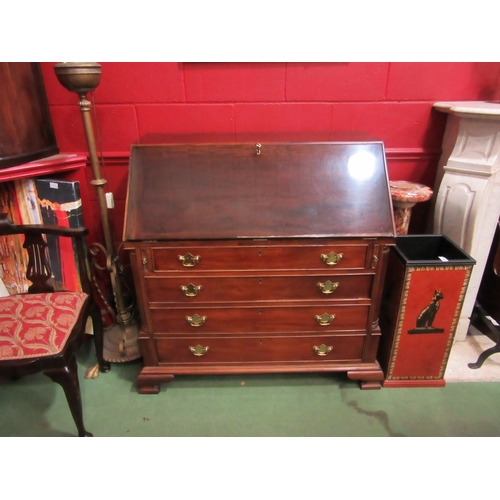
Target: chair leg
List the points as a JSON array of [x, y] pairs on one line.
[[67, 378], [95, 314]]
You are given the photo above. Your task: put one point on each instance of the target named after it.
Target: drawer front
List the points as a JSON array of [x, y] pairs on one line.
[[223, 320], [238, 258], [197, 289], [253, 349]]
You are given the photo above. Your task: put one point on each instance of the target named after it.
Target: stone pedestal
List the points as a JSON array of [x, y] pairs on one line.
[[405, 195], [467, 205]]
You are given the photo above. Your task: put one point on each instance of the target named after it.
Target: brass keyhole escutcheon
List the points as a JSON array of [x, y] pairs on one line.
[[198, 350], [144, 259], [328, 286], [325, 319], [332, 258], [189, 260], [322, 350], [196, 320], [191, 290]]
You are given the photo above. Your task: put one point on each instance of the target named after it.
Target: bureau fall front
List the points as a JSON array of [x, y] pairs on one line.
[[259, 256]]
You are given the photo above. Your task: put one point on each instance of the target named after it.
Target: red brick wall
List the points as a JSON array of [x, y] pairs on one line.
[[392, 101]]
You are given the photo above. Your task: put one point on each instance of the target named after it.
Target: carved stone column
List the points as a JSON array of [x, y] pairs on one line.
[[467, 205]]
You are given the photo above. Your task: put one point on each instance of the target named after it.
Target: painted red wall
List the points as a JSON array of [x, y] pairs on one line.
[[392, 101]]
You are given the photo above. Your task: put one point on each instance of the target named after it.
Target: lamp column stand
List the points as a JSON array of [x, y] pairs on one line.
[[121, 340]]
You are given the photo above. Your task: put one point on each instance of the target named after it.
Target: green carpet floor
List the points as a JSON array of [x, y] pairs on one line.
[[305, 405]]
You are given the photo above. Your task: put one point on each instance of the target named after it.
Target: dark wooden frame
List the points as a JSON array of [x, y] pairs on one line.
[[26, 130]]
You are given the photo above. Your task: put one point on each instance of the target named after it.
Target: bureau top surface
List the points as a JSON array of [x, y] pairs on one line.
[[258, 190]]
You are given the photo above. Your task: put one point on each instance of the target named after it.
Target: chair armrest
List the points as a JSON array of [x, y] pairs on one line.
[[7, 227]]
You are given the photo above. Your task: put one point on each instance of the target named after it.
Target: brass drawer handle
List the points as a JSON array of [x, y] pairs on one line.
[[196, 320], [191, 290], [332, 258], [322, 350], [189, 260], [198, 350], [325, 319], [328, 286]]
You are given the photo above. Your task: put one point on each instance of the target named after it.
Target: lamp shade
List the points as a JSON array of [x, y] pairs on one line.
[[78, 77]]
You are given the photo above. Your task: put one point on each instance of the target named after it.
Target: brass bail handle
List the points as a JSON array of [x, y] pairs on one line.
[[191, 290], [196, 320], [189, 260], [322, 350], [325, 319], [198, 350], [328, 286], [332, 258]]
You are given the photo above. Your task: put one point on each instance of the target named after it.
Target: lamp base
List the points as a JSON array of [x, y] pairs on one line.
[[120, 343]]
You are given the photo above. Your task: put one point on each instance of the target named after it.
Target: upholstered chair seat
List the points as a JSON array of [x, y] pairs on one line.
[[39, 324]]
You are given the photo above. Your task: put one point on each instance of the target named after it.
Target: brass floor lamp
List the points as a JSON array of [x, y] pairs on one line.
[[121, 340]]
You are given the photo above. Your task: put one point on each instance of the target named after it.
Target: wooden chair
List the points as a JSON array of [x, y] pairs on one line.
[[40, 330]]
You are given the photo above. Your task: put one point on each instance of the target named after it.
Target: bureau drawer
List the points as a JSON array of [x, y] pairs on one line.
[[223, 320], [258, 288], [238, 258], [318, 349]]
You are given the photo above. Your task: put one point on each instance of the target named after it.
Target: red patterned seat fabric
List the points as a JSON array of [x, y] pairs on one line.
[[38, 324]]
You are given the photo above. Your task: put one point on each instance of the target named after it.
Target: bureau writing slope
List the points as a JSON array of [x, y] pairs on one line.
[[258, 256]]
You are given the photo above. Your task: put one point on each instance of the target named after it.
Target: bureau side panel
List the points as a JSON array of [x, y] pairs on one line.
[[147, 345], [379, 262]]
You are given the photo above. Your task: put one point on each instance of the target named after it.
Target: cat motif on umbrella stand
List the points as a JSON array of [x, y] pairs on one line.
[[426, 317]]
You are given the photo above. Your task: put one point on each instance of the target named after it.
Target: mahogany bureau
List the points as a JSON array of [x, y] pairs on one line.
[[259, 256]]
